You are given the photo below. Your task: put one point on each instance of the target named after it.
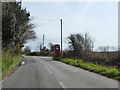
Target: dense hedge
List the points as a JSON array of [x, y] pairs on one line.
[[109, 59]]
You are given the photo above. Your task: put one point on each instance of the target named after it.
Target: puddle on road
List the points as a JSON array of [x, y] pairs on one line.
[[23, 63]]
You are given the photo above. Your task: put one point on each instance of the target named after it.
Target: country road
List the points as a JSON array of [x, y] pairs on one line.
[[44, 72]]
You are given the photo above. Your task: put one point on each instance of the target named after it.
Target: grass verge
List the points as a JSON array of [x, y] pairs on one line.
[[10, 63], [111, 73]]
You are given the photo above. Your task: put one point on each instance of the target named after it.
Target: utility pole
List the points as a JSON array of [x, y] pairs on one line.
[[61, 37], [43, 43]]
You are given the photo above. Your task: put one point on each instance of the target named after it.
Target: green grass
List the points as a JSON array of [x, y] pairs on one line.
[[9, 63], [0, 68], [111, 73]]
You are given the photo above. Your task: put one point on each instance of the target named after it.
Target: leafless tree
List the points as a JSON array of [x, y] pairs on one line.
[[27, 50], [79, 43], [106, 48], [40, 47], [113, 48], [51, 45], [88, 42]]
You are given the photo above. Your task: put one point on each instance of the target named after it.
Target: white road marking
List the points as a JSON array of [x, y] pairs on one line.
[[46, 57], [48, 69], [62, 85], [41, 61]]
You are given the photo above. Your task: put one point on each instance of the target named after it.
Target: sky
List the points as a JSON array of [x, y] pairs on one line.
[[99, 19]]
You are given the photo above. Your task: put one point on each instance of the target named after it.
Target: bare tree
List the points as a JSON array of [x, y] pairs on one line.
[[88, 42], [106, 48], [79, 43], [103, 48], [27, 50], [51, 45], [113, 48], [40, 47]]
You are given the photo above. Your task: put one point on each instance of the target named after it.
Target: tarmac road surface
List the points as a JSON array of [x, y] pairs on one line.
[[44, 72]]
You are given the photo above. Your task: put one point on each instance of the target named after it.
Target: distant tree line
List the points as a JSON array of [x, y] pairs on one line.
[[107, 49], [16, 26]]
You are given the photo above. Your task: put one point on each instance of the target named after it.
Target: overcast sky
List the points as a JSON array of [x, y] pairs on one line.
[[99, 19]]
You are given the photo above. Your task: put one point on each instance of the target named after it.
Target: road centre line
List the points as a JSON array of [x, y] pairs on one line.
[[58, 81], [62, 85], [41, 61], [48, 69]]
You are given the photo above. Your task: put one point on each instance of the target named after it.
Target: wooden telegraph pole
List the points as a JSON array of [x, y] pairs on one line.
[[61, 37], [43, 43]]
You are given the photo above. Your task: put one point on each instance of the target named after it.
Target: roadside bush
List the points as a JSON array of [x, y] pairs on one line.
[[113, 72], [104, 59], [108, 59]]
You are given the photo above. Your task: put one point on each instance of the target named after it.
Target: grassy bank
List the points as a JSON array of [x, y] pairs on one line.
[[111, 73], [9, 63]]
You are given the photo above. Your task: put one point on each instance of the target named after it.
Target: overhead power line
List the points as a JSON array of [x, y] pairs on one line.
[[47, 20]]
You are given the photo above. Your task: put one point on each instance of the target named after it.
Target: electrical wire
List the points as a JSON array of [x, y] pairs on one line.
[[48, 20]]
